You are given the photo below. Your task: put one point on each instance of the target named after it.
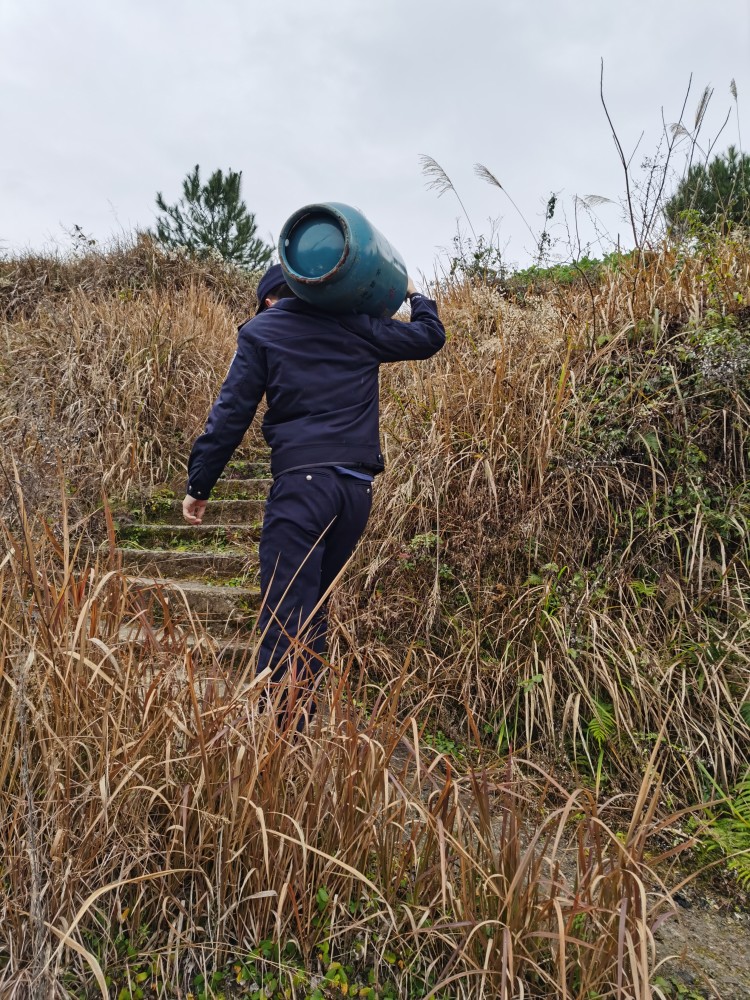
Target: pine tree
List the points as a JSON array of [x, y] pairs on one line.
[[212, 217], [717, 194]]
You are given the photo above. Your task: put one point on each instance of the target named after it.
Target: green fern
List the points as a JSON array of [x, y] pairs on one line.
[[745, 712], [602, 726], [730, 830]]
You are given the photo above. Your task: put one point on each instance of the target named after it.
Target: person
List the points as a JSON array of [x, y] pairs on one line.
[[319, 374]]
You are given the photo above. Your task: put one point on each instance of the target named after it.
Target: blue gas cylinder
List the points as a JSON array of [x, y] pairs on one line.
[[335, 259]]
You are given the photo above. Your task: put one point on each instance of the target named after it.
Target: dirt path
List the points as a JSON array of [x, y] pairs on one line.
[[710, 939]]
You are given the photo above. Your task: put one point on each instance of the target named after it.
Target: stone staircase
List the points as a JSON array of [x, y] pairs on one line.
[[209, 573], [210, 569]]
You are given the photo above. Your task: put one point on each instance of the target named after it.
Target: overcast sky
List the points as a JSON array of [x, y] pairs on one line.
[[102, 104]]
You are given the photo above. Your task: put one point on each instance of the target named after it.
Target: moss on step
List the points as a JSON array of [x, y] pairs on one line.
[[179, 538], [241, 468]]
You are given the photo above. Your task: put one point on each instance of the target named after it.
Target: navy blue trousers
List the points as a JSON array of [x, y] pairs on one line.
[[313, 520]]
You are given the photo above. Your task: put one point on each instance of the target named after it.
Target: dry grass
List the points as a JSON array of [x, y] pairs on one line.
[[556, 569], [563, 527], [144, 802], [563, 523], [110, 365]]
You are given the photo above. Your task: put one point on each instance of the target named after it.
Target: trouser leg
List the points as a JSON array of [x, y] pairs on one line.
[[340, 542], [313, 521], [298, 513]]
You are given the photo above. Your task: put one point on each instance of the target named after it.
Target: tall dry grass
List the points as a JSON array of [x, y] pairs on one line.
[[562, 533], [151, 818], [556, 569], [110, 363], [560, 539]]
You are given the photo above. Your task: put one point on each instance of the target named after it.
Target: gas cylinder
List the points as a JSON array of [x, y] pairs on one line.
[[333, 258]]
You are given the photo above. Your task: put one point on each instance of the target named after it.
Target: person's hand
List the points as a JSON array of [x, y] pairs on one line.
[[193, 510], [410, 289]]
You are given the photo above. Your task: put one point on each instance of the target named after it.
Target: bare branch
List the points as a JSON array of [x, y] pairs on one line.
[[621, 155], [712, 144], [677, 129], [733, 92], [635, 148]]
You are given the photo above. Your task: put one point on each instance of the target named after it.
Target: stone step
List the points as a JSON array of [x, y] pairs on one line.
[[219, 608], [208, 566], [199, 537], [256, 467], [218, 512], [241, 489], [231, 652]]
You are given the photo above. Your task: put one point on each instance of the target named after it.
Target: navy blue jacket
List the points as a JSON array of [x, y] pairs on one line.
[[319, 373]]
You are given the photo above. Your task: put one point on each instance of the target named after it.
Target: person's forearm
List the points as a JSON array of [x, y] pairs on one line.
[[425, 326], [209, 456], [414, 341]]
